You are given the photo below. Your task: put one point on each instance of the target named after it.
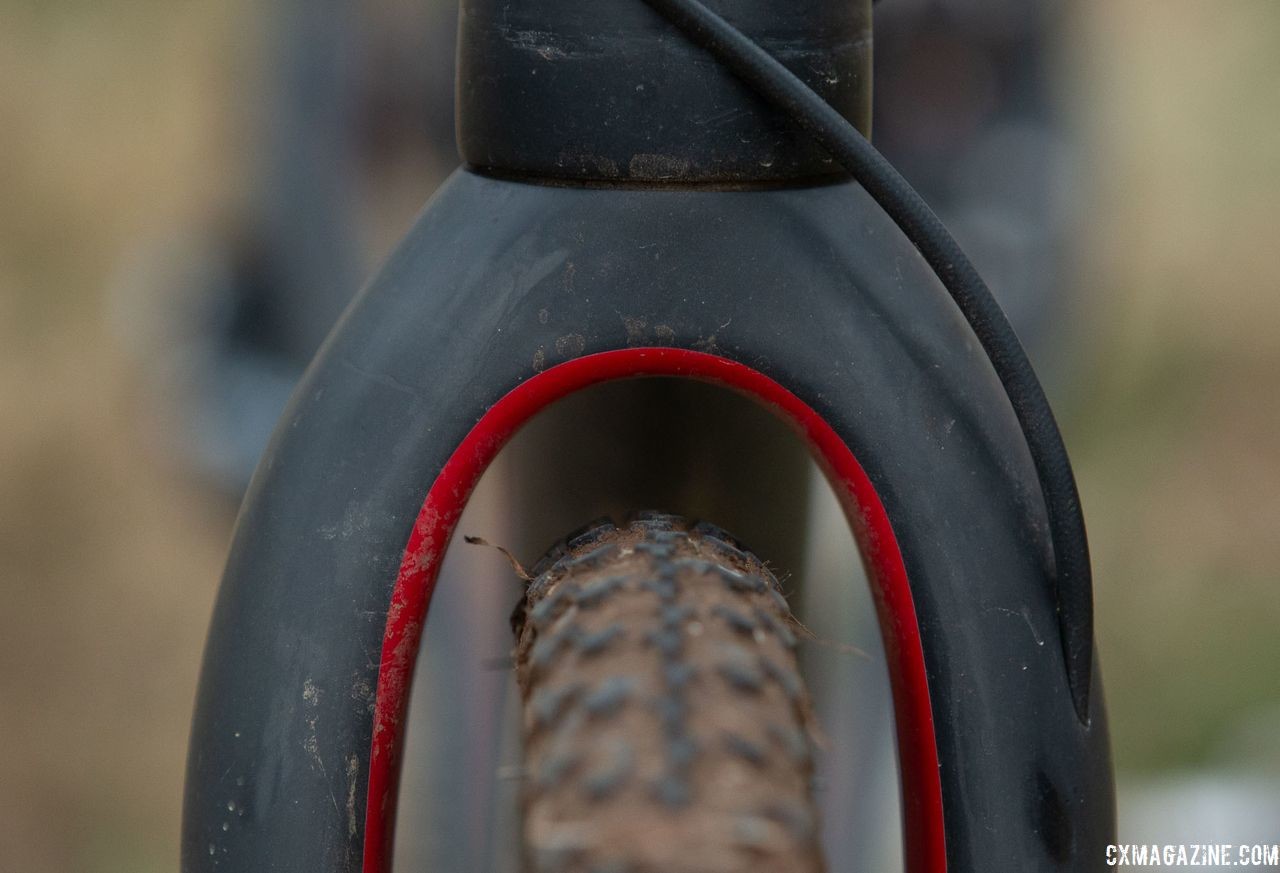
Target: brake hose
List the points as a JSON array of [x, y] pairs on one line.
[[784, 90]]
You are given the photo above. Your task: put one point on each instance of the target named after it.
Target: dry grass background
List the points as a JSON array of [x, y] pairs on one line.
[[118, 118], [1175, 425], [114, 120]]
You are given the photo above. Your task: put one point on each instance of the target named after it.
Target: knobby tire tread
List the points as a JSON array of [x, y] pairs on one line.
[[666, 724]]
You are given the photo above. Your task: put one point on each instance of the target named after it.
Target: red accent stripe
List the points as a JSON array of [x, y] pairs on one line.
[[917, 751]]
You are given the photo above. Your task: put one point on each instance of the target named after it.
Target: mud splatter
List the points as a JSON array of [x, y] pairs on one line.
[[635, 326], [652, 166], [571, 344]]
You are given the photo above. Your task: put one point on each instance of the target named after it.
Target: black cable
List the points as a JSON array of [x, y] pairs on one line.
[[775, 83]]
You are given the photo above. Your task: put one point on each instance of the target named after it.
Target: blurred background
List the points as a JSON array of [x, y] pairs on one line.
[[190, 191]]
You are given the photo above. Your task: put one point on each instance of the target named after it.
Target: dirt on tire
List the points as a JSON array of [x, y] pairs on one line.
[[666, 722]]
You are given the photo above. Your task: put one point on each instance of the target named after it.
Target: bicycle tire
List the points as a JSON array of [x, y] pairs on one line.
[[666, 725]]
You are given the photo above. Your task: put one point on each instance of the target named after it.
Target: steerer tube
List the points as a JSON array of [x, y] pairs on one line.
[[603, 92]]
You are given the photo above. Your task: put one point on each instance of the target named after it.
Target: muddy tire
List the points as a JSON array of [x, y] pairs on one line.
[[666, 724]]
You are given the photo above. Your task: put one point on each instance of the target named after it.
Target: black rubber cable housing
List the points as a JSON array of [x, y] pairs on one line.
[[776, 84]]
